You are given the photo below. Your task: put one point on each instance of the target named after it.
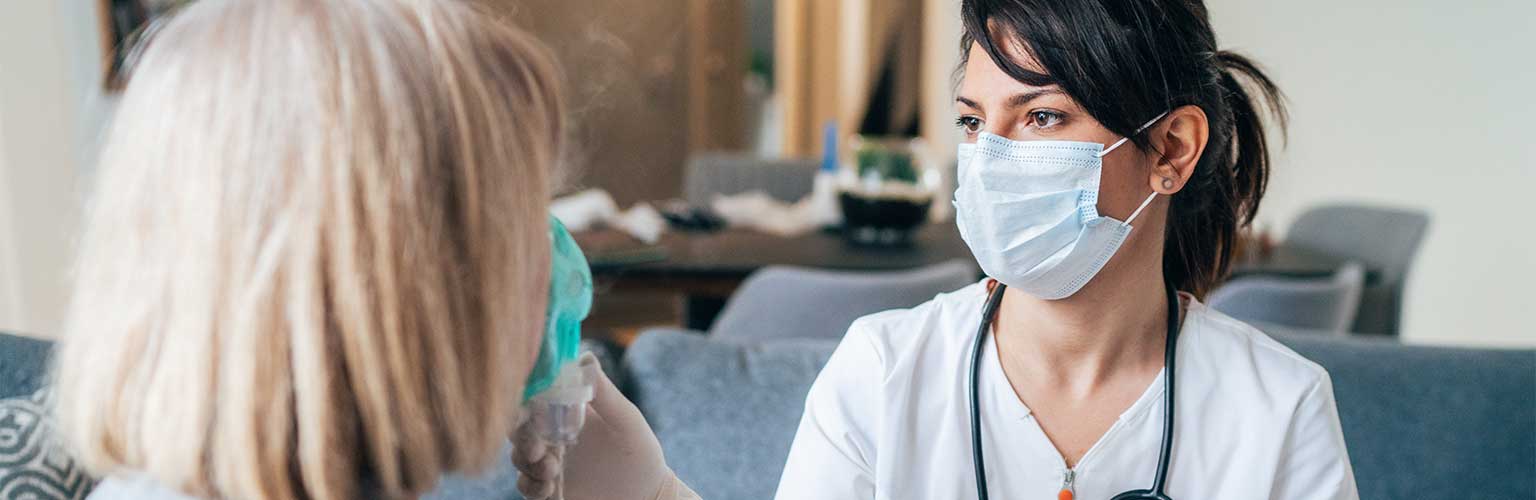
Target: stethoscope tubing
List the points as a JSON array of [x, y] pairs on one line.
[[1165, 451], [987, 313]]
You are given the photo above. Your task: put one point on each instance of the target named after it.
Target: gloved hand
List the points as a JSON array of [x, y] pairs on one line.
[[617, 457]]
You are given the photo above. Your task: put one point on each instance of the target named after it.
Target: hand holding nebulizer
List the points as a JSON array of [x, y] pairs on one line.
[[616, 457]]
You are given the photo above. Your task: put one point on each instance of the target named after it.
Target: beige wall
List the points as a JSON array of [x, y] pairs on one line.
[[39, 167], [51, 111], [1415, 103], [627, 85], [10, 286]]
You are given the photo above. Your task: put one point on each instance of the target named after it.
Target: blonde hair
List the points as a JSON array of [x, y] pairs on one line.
[[317, 257]]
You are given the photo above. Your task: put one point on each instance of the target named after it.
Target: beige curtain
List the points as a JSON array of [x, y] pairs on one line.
[[829, 55]]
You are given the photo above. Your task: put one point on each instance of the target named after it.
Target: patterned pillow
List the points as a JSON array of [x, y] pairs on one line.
[[33, 466]]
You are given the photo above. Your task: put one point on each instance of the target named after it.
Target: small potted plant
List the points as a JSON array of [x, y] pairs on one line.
[[886, 193]]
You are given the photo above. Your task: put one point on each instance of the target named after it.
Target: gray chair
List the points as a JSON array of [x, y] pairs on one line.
[[1384, 239], [1328, 304], [711, 174], [788, 302]]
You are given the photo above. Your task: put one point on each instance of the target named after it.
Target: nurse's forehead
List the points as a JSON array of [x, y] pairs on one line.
[[984, 83]]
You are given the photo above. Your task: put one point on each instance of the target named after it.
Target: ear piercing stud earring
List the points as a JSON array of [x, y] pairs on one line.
[[1167, 183]]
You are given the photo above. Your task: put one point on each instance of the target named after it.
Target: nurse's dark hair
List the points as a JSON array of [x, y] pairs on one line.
[[1125, 62]]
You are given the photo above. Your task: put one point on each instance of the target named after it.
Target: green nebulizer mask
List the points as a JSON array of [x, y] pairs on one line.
[[570, 300], [557, 392]]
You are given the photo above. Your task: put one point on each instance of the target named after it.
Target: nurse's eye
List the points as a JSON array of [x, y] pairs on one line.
[[1043, 119], [970, 124]]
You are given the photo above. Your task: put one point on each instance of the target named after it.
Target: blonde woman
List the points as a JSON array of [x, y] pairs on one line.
[[317, 260]]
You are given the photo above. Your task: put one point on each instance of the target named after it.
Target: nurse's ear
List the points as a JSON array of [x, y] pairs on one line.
[[1180, 137]]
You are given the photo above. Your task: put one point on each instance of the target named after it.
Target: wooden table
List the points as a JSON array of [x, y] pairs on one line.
[[706, 267]]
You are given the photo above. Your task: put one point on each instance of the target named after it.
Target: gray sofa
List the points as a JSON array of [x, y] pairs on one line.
[[1421, 422], [23, 364]]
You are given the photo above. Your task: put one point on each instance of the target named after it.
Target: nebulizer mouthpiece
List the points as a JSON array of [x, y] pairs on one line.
[[557, 391]]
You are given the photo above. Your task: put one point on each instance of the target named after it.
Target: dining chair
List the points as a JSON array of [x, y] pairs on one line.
[[1328, 304], [709, 174], [783, 302], [1383, 239]]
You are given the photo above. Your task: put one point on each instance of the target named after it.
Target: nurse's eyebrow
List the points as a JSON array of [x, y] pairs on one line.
[[1016, 100], [1023, 99]]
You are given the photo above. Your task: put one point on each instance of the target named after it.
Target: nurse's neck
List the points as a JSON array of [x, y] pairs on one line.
[[1114, 327]]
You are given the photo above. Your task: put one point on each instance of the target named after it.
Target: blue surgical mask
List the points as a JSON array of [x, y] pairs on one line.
[[570, 299], [1029, 212]]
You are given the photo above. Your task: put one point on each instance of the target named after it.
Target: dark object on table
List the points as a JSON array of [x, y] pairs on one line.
[[1384, 239], [881, 220], [887, 197], [684, 216]]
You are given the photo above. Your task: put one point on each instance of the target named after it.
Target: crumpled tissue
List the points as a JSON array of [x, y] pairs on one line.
[[593, 207]]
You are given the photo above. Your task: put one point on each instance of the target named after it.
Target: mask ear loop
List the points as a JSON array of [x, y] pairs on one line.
[[1113, 147], [1143, 206], [1121, 142]]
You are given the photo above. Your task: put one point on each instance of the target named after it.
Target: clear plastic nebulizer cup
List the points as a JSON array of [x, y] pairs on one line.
[[555, 416]]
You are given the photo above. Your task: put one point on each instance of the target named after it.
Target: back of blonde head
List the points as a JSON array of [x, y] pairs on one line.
[[316, 261]]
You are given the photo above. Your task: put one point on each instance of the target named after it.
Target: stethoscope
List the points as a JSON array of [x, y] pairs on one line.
[[989, 312]]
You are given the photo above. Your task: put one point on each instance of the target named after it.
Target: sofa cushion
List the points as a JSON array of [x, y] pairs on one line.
[[23, 364], [33, 465], [725, 412], [1420, 422], [1432, 422]]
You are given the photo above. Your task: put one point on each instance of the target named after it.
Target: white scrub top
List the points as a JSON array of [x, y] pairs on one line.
[[888, 418]]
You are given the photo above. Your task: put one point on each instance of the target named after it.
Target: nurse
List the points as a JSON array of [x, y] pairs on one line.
[[1112, 155]]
